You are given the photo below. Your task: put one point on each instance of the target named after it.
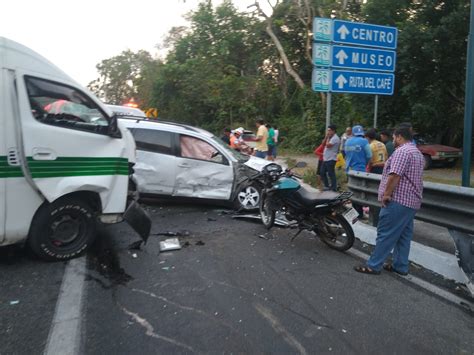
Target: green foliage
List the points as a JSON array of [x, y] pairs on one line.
[[128, 75], [224, 70], [310, 177]]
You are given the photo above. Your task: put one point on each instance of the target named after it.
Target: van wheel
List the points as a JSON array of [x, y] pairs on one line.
[[428, 161], [62, 230]]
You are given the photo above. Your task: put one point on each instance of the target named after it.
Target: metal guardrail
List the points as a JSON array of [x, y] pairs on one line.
[[443, 205]]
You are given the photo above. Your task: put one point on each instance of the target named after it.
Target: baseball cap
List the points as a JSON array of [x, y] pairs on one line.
[[357, 130]]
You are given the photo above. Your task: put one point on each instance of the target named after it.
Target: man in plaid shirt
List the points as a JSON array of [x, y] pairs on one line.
[[400, 193]]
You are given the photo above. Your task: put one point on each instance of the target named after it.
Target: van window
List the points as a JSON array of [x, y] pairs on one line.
[[60, 105], [154, 141], [196, 148]]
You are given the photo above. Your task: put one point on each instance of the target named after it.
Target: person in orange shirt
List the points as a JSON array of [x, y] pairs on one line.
[[235, 142]]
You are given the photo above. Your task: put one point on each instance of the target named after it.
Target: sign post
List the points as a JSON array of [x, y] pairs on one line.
[[376, 108], [467, 139], [353, 57], [328, 110]]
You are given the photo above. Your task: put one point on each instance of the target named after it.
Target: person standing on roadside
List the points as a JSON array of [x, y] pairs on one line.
[[235, 140], [276, 140], [261, 147], [358, 151], [358, 155], [386, 138], [319, 152], [344, 138], [328, 170], [400, 193], [226, 137], [270, 142], [379, 153]]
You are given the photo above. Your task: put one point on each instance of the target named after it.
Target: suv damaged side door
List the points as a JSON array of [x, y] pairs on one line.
[[202, 170], [155, 169]]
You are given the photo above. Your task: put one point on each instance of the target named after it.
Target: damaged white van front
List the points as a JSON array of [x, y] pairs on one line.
[[64, 160]]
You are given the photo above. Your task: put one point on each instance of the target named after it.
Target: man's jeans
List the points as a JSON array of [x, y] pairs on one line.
[[260, 154], [328, 168], [394, 231]]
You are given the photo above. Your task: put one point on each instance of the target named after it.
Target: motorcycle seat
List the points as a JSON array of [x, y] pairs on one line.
[[315, 197]]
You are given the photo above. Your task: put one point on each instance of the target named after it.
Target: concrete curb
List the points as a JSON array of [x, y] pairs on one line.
[[430, 258]]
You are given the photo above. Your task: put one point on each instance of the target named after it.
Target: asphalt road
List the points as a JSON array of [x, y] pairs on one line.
[[233, 287], [29, 290]]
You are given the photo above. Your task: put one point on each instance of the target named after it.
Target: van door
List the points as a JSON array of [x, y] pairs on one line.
[[155, 170], [3, 159], [202, 170], [65, 138]]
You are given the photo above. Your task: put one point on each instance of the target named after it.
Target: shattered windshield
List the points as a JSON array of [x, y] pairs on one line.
[[237, 155], [61, 105]]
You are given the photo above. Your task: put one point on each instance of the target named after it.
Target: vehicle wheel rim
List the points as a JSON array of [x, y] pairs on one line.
[[66, 229], [249, 197]]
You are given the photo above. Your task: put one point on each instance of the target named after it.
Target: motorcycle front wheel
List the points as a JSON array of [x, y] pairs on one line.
[[266, 213], [337, 233]]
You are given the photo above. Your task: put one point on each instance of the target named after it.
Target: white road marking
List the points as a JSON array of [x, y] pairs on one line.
[[279, 329], [151, 332], [423, 284], [65, 333]]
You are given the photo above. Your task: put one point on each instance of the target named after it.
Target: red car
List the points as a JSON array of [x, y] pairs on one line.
[[437, 153]]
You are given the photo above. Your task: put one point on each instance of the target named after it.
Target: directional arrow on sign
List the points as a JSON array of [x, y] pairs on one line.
[[342, 56], [341, 81], [343, 31]]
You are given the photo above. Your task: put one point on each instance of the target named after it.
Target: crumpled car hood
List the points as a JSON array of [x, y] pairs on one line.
[[257, 163]]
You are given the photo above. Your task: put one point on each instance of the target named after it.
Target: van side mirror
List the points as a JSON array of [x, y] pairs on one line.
[[114, 130]]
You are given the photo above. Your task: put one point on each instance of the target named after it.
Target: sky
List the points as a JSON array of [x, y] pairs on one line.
[[77, 35]]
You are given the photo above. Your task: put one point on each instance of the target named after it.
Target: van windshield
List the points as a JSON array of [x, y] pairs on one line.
[[61, 105]]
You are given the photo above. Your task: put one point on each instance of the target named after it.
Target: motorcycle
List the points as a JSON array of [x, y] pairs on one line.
[[327, 213]]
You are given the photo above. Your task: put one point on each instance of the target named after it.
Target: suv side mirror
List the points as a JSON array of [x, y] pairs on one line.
[[114, 130]]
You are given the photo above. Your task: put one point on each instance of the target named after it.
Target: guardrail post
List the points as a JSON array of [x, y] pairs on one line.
[[374, 215]]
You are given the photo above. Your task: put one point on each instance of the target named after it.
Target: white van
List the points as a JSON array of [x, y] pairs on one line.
[[64, 160]]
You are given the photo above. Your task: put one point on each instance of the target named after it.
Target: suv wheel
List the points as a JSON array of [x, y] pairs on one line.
[[248, 198]]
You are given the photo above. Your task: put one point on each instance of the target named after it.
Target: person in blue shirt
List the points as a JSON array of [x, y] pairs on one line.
[[358, 155], [357, 150]]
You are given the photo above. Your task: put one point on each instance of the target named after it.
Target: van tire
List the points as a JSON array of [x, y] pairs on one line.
[[62, 230]]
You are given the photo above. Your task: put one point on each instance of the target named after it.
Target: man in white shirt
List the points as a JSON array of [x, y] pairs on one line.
[[328, 170]]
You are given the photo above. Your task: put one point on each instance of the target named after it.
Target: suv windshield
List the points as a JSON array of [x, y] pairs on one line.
[[237, 155]]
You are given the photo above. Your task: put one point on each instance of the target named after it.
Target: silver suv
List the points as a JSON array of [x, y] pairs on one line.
[[176, 160]]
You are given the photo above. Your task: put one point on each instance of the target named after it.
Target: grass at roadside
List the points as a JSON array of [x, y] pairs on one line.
[[448, 176], [310, 177]]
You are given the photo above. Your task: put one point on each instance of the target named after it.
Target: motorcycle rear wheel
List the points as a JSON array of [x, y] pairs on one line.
[[339, 235], [266, 213]]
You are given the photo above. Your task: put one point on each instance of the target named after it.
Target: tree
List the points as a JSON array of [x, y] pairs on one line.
[[121, 77]]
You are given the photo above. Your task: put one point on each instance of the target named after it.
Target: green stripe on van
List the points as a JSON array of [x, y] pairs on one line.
[[67, 166]]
